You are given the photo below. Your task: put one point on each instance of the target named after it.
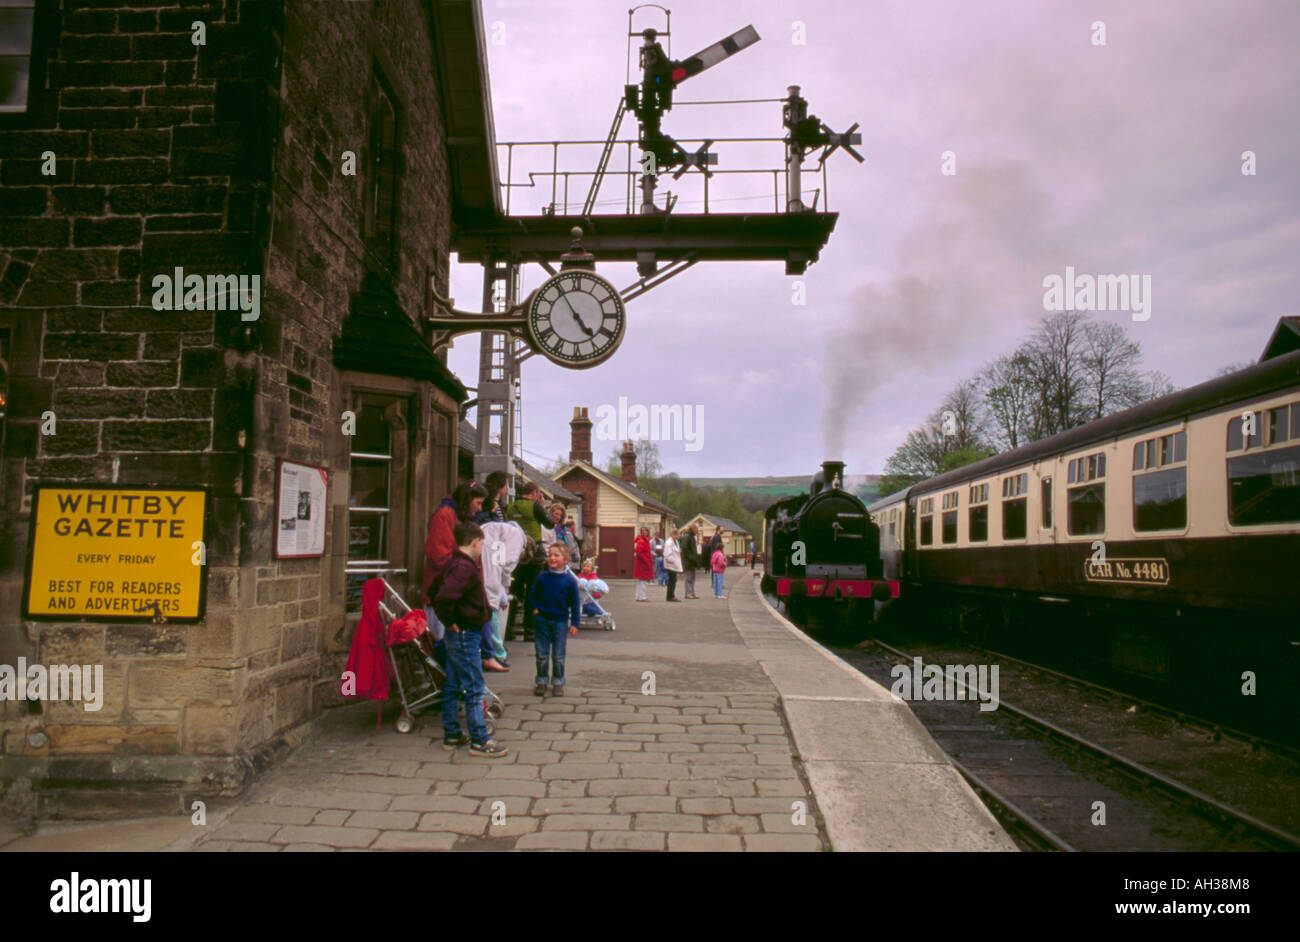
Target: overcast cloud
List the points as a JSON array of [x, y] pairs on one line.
[[1117, 159]]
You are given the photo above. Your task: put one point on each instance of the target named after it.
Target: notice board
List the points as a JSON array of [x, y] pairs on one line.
[[300, 510], [107, 552]]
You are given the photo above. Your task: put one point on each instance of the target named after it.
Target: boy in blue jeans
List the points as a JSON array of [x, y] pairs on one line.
[[555, 604], [461, 604]]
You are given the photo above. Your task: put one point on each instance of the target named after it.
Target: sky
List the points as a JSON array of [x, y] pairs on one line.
[[1117, 159]]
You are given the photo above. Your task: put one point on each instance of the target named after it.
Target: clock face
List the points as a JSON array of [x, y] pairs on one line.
[[576, 319]]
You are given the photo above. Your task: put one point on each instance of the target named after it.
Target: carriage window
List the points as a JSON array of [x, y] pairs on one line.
[[979, 523], [1087, 509], [1047, 503], [1160, 500], [1139, 456], [950, 526], [1264, 487], [1014, 518], [927, 531]]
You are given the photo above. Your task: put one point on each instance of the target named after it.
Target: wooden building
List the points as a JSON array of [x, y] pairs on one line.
[[735, 538]]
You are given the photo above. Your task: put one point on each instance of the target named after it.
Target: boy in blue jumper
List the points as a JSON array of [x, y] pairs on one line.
[[555, 604]]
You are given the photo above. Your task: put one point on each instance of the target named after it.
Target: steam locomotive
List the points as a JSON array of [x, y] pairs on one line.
[[822, 557]]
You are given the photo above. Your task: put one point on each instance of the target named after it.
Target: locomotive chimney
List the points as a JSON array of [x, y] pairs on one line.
[[833, 474]]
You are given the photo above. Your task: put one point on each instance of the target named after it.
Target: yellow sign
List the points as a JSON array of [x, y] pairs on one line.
[[116, 553]]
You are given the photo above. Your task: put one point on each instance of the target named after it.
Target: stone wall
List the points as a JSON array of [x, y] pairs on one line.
[[224, 158]]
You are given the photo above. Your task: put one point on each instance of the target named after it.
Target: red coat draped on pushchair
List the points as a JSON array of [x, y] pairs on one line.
[[367, 675]]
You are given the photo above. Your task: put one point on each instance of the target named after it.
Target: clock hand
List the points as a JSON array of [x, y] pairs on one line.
[[577, 317]]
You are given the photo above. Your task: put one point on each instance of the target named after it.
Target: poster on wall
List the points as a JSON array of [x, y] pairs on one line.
[[300, 510], [116, 552]]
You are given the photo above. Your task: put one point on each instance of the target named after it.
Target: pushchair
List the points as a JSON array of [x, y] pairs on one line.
[[416, 664], [593, 614]]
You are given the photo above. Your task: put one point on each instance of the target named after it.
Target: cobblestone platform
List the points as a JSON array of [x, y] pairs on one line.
[[704, 763]]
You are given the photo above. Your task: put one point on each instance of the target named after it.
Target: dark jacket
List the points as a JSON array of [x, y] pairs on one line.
[[690, 552], [715, 544], [458, 595]]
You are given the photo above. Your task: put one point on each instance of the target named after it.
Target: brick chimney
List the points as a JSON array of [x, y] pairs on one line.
[[629, 463], [580, 435]]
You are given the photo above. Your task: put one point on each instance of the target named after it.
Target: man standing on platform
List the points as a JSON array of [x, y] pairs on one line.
[[690, 561]]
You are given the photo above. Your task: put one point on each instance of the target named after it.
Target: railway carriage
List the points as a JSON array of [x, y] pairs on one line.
[[1163, 541]]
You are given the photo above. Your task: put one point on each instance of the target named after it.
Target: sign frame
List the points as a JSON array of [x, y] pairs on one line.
[[279, 476], [24, 609]]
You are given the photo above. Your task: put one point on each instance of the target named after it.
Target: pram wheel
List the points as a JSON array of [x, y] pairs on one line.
[[404, 723], [494, 710]]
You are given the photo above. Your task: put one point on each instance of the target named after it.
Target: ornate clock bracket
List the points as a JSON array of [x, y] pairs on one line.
[[445, 321]]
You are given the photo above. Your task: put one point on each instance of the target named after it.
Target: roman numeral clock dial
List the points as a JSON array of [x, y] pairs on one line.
[[576, 319]]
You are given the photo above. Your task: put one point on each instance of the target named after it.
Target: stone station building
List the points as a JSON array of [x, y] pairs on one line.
[[327, 149]]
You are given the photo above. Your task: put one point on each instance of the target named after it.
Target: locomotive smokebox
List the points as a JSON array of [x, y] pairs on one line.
[[833, 474]]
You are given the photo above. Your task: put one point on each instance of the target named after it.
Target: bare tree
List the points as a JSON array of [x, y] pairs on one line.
[[941, 444], [968, 426], [1233, 368], [1156, 384], [1009, 397], [1060, 381], [1109, 362]]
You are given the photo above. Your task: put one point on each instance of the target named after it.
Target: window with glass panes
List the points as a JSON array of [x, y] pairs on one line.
[[978, 514], [1160, 482], [372, 495], [17, 32], [1264, 478], [949, 517], [1086, 495], [1015, 501]]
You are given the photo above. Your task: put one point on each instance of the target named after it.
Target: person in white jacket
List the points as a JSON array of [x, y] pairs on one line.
[[502, 545], [672, 562]]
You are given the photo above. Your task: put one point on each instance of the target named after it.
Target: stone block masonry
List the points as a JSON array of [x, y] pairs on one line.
[[220, 159]]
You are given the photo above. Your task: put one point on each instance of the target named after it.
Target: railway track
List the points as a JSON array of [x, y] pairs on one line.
[[1058, 790], [1210, 728]]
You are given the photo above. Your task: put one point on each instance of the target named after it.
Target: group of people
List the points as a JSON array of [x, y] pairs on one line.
[[467, 595], [680, 554]]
